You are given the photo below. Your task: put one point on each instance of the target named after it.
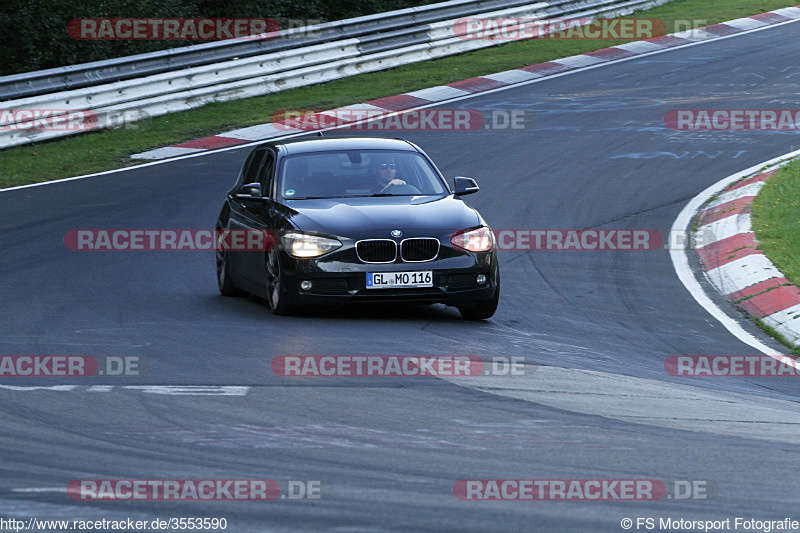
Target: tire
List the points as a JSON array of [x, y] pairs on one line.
[[482, 309], [277, 296], [226, 286]]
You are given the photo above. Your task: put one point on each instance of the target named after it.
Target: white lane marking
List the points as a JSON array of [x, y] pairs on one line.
[[696, 35], [742, 192], [175, 151], [53, 388], [432, 90], [512, 76], [742, 273], [725, 228], [357, 107], [439, 93], [786, 322], [746, 23], [41, 489], [792, 12], [190, 390], [255, 133], [579, 61], [642, 47], [680, 257], [171, 390]]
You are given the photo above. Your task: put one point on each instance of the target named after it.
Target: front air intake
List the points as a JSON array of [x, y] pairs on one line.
[[377, 251], [419, 250]]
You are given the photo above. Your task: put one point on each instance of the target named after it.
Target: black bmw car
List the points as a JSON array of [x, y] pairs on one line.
[[356, 220]]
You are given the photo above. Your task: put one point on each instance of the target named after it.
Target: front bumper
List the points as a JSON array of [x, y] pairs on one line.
[[337, 283]]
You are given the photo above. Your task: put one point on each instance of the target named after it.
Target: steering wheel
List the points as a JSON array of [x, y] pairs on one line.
[[401, 189]]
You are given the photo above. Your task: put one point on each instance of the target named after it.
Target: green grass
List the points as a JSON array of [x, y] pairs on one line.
[[774, 334], [105, 150], [776, 220], [776, 223]]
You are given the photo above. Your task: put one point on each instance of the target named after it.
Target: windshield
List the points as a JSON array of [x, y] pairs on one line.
[[354, 173]]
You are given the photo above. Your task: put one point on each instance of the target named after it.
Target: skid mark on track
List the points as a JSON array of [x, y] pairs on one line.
[[112, 340], [519, 342], [459, 434], [686, 154], [650, 402]]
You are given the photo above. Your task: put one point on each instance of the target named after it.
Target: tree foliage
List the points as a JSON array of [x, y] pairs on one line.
[[36, 37]]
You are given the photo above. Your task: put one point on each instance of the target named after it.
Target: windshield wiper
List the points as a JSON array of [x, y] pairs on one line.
[[315, 197], [379, 195]]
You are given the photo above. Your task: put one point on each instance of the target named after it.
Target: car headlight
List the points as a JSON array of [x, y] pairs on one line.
[[474, 240], [304, 246]]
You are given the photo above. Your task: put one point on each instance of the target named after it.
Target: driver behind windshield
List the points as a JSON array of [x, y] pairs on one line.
[[383, 173]]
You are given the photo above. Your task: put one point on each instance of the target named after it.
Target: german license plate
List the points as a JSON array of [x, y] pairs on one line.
[[399, 280]]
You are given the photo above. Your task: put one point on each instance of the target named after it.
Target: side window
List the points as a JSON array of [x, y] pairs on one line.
[[253, 166], [247, 164], [265, 173]]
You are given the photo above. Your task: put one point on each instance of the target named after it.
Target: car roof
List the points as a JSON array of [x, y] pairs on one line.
[[322, 144]]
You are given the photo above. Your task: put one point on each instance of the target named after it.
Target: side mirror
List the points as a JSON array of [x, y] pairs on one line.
[[250, 191], [465, 186]]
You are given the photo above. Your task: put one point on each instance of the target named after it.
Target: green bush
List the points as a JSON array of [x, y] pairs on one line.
[[36, 38]]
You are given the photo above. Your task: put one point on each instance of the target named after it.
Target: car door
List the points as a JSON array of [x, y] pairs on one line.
[[241, 217], [257, 214]]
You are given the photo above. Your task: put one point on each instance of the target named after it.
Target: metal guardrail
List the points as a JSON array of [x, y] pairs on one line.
[[136, 66], [284, 68]]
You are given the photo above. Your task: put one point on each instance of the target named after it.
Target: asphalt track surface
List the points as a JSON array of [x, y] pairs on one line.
[[598, 156]]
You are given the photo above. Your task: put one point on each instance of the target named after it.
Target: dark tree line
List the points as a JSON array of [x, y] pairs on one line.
[[34, 32]]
